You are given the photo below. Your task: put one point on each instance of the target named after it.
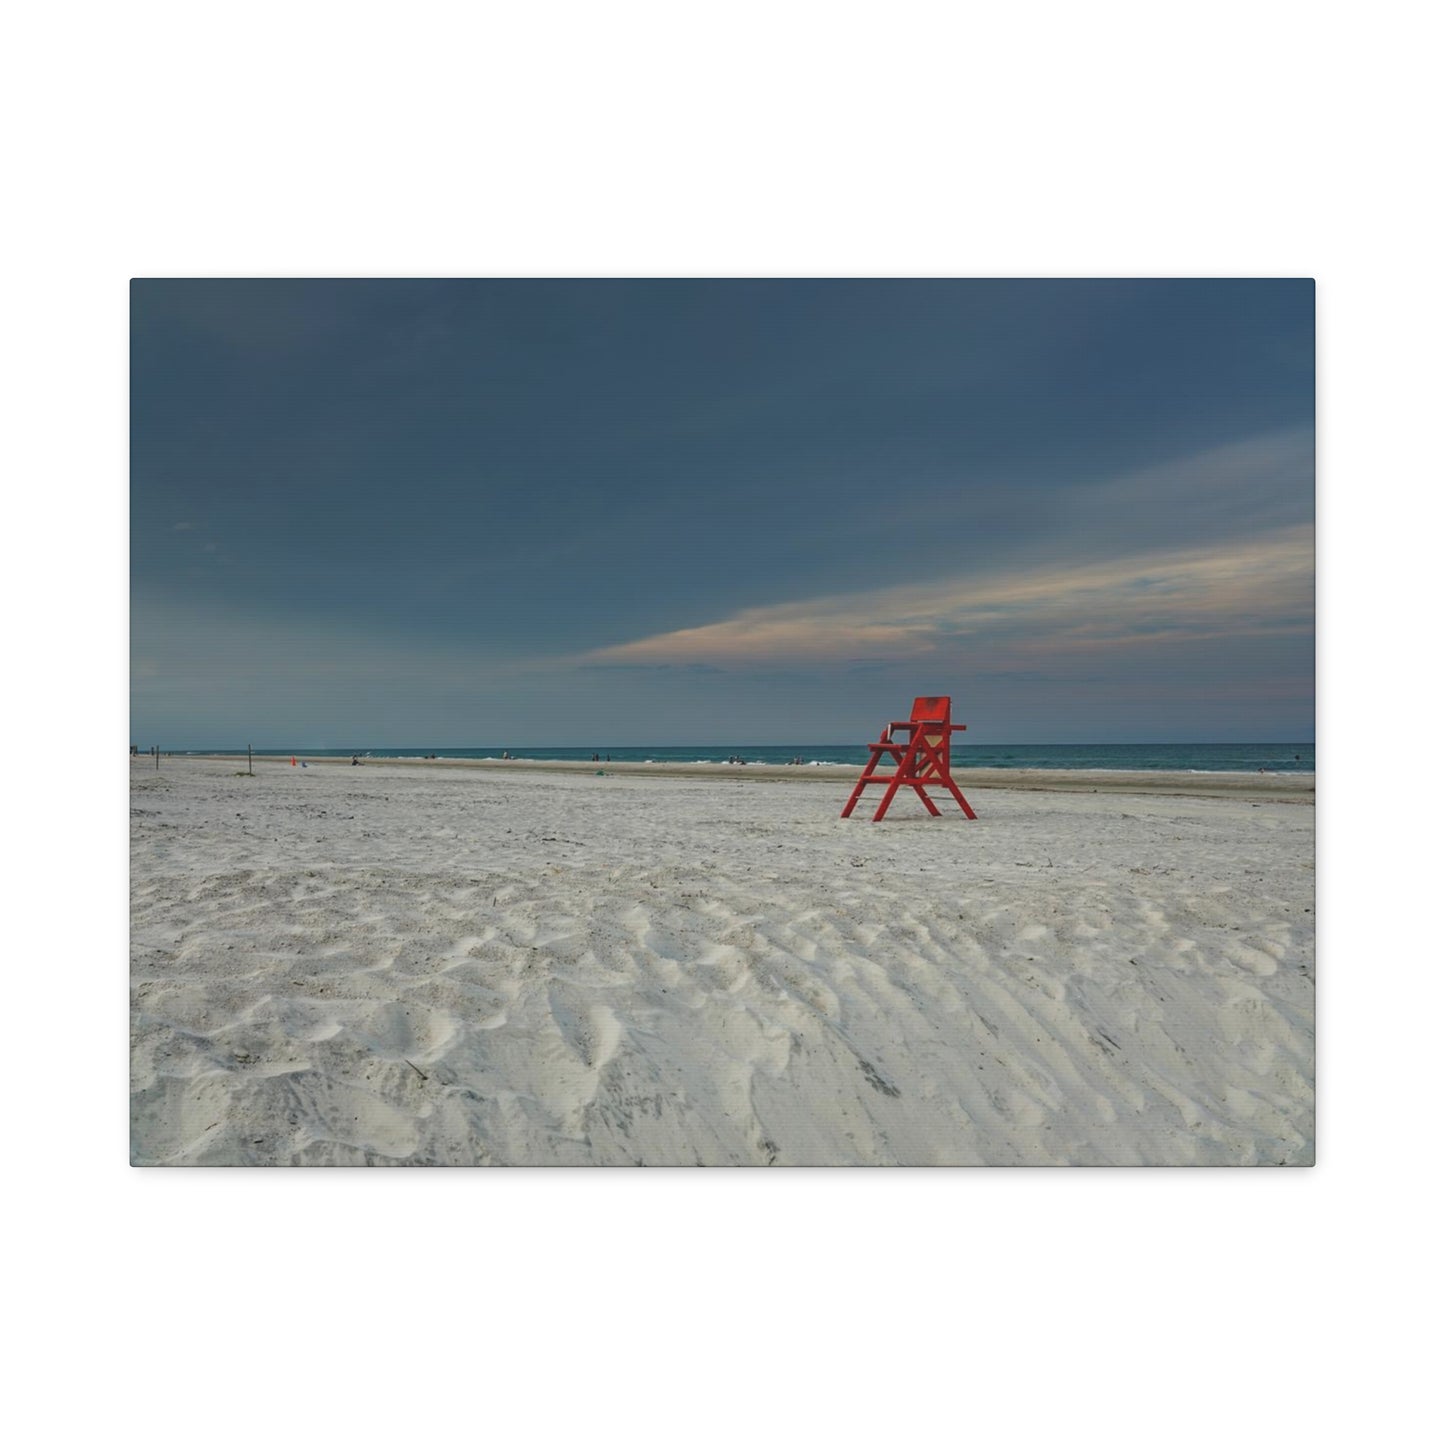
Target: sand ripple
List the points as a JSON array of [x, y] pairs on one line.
[[382, 966]]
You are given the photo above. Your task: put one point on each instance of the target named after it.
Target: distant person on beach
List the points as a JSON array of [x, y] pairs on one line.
[[355, 761]]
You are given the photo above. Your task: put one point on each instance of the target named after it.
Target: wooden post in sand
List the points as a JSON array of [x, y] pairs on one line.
[[249, 773], [156, 749]]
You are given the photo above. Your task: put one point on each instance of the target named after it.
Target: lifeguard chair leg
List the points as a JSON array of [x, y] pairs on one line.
[[927, 801], [905, 771], [854, 796], [888, 795], [875, 756], [861, 784], [959, 798], [937, 771]]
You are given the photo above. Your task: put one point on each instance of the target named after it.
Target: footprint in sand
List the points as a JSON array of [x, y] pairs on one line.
[[590, 1030], [400, 1031], [1256, 960]]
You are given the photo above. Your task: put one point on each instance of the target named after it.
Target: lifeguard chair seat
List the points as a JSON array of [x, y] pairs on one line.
[[919, 761]]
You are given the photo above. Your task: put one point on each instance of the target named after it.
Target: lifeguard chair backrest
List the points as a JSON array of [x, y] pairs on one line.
[[934, 709]]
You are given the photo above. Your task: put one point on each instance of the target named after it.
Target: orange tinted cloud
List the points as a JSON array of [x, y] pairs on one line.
[[1252, 589]]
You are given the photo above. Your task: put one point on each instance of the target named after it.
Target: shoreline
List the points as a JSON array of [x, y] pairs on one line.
[[1277, 787]]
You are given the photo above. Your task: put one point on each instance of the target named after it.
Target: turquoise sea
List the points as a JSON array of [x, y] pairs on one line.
[[1144, 757]]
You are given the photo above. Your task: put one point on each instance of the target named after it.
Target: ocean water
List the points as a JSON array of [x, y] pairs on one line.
[[1128, 757]]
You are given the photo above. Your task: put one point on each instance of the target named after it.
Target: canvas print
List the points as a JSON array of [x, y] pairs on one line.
[[725, 722]]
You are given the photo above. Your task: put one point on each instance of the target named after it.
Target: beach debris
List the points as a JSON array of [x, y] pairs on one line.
[[408, 1061], [877, 1080]]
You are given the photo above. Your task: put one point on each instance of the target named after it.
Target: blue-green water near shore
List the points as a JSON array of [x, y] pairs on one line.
[[1123, 757]]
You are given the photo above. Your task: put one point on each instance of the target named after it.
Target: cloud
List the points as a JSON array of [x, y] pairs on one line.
[[1257, 589], [703, 668], [1244, 489]]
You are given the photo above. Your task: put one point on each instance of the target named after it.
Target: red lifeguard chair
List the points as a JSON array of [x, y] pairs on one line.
[[918, 762]]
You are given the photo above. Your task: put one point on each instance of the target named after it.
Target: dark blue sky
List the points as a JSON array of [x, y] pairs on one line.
[[455, 512]]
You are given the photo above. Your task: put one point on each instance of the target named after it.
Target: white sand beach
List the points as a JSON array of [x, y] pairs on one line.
[[450, 964]]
